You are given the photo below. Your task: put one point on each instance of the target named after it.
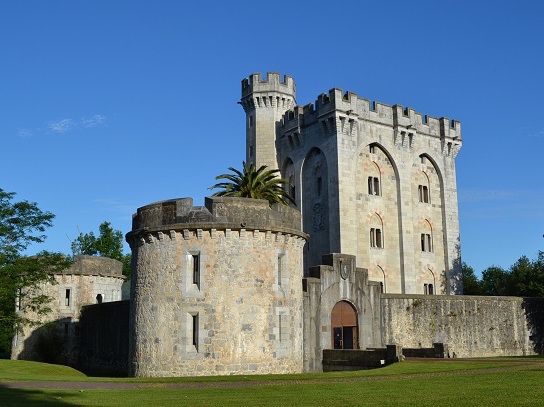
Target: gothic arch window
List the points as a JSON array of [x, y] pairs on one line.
[[376, 232], [374, 180], [426, 237], [429, 282], [424, 188]]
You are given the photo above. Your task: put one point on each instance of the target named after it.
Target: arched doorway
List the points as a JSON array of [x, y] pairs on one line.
[[345, 330]]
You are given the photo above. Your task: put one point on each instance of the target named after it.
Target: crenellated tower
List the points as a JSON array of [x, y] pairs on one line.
[[265, 101]]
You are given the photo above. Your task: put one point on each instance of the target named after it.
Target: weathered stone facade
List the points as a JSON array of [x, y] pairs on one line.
[[216, 289], [373, 181], [89, 280], [471, 326]]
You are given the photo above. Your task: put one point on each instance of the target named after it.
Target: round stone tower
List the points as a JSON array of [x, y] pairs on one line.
[[265, 102], [216, 289]]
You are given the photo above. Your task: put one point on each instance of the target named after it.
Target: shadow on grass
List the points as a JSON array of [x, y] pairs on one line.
[[31, 397]]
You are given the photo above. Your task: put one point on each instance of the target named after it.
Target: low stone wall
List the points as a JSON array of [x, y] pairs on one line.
[[472, 326], [104, 338], [335, 360]]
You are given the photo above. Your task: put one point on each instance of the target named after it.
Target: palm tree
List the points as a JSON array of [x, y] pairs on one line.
[[251, 183]]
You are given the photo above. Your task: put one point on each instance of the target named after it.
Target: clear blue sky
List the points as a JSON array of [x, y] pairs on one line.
[[106, 106]]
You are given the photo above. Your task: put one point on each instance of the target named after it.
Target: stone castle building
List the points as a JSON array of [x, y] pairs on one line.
[[344, 280], [371, 180], [90, 280]]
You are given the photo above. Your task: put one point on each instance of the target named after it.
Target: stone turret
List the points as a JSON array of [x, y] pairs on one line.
[[265, 101]]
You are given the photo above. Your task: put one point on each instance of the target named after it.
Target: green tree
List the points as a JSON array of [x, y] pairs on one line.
[[109, 243], [471, 283], [21, 224], [495, 281], [254, 183]]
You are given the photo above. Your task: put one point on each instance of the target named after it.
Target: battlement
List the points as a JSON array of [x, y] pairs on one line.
[[352, 106], [272, 83], [217, 213], [95, 266]]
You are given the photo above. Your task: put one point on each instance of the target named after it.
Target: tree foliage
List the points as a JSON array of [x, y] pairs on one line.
[[109, 243], [21, 224], [525, 278], [258, 183]]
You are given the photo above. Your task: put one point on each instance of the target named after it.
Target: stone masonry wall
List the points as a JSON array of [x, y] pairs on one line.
[[471, 326], [242, 315]]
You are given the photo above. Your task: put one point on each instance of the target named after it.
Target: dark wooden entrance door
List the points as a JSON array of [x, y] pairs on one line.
[[345, 330]]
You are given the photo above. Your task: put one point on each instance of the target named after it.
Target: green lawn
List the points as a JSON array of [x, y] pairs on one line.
[[411, 383]]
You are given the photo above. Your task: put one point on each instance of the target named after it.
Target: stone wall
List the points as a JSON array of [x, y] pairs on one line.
[[216, 289], [471, 326], [104, 339], [90, 279]]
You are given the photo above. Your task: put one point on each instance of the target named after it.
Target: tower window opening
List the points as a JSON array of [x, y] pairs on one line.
[[426, 242], [319, 186], [195, 330], [373, 186], [376, 239], [67, 298], [423, 192], [196, 269]]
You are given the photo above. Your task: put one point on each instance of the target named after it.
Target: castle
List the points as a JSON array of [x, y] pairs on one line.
[[371, 180], [366, 266]]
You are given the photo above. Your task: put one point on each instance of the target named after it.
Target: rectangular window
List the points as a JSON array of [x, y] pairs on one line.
[[195, 331], [196, 269], [376, 239], [67, 298], [250, 120], [280, 268], [426, 242], [373, 186], [423, 192], [425, 289], [319, 186]]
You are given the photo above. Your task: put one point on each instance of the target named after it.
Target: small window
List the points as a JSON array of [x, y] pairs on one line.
[[319, 186], [250, 151], [423, 192], [250, 120], [195, 330], [67, 298], [373, 186], [99, 298], [426, 242], [376, 239], [381, 287], [428, 289], [280, 268], [196, 269]]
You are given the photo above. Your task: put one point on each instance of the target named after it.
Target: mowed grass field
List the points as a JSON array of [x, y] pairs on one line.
[[497, 382]]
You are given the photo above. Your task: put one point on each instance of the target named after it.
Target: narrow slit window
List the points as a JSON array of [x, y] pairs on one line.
[[67, 298], [195, 330], [319, 186], [280, 269], [196, 269]]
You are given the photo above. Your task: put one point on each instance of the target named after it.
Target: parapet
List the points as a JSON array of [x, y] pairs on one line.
[[95, 266], [352, 106], [217, 213], [272, 83]]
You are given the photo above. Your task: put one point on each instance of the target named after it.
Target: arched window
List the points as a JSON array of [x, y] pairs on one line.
[[423, 188], [376, 232], [426, 237], [374, 180]]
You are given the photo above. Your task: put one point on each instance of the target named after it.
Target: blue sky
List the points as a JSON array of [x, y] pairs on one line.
[[106, 106]]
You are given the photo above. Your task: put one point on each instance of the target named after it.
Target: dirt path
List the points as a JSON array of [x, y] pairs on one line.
[[516, 365]]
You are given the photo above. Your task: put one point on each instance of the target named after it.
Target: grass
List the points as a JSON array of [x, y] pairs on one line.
[[411, 383]]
